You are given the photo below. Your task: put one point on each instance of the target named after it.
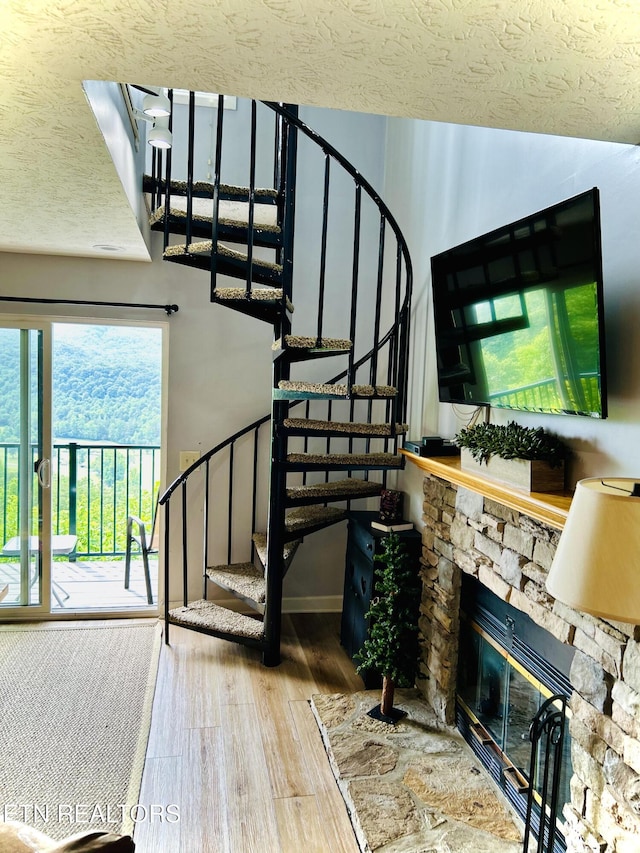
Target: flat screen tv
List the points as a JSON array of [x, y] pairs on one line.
[[519, 314]]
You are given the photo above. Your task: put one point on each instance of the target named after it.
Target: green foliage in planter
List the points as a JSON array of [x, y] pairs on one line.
[[391, 647], [512, 441]]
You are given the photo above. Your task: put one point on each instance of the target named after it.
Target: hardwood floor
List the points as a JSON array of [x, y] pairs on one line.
[[235, 748]]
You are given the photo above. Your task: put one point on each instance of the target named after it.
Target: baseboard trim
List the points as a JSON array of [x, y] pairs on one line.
[[313, 604]]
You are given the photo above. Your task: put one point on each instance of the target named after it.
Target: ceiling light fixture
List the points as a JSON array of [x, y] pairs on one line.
[[160, 136], [156, 109], [156, 106]]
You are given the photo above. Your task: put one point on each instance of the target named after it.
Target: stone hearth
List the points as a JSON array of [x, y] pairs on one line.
[[415, 787]]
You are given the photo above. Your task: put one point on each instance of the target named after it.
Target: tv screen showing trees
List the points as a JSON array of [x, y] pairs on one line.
[[519, 315]]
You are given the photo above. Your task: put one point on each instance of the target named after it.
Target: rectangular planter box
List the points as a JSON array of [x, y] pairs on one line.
[[528, 475]]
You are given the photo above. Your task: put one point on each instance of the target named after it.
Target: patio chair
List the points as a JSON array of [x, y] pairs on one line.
[[147, 543]]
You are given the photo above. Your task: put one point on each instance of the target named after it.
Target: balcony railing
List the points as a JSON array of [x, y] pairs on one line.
[[544, 395], [95, 487]]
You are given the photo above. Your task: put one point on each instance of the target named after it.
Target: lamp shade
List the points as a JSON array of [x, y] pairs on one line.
[[596, 567]]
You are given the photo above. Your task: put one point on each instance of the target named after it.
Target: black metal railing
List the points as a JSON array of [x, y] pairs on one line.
[[376, 234], [238, 466], [228, 468], [357, 286], [379, 251], [95, 487]]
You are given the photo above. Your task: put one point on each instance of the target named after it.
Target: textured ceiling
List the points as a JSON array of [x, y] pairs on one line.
[[568, 67]]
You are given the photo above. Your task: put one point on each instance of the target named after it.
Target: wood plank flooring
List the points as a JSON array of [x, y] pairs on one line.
[[235, 748]]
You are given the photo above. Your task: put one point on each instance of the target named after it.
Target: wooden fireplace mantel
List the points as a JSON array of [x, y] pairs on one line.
[[550, 508]]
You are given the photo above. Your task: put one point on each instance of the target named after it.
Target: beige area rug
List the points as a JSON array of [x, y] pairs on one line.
[[415, 787], [75, 710]]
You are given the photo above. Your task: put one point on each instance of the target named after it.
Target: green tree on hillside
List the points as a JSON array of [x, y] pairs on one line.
[[106, 384]]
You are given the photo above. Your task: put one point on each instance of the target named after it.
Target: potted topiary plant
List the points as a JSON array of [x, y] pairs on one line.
[[392, 645], [526, 457]]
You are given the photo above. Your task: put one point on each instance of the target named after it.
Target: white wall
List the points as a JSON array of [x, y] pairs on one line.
[[128, 156], [219, 371], [450, 183]]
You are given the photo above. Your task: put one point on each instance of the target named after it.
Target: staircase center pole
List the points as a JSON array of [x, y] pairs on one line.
[[287, 151], [275, 533]]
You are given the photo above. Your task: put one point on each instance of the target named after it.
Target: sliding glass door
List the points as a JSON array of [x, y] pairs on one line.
[[25, 470], [80, 453]]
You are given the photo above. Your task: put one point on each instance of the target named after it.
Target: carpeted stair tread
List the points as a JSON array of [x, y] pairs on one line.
[[211, 617], [312, 516], [264, 294], [181, 215], [337, 490], [288, 552], [346, 427], [243, 578], [256, 294], [204, 247], [310, 343], [235, 213], [206, 189], [287, 388], [320, 460]]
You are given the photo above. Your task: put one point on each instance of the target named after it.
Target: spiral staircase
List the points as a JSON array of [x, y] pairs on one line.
[[325, 443]]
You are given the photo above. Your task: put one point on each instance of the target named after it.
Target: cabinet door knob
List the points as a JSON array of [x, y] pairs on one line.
[[369, 546]]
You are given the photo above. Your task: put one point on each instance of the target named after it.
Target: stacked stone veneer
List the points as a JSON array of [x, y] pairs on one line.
[[510, 554]]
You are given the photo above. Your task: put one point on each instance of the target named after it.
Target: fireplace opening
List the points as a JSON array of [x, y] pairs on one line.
[[508, 666]]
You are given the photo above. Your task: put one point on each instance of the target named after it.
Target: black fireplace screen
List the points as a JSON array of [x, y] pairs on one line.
[[508, 668]]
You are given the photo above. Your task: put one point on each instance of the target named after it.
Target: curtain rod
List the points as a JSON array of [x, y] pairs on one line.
[[170, 309]]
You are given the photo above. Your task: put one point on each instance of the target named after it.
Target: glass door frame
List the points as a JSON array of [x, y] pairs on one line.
[[43, 555]]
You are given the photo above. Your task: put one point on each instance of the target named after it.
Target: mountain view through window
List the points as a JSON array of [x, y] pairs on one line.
[[106, 383]]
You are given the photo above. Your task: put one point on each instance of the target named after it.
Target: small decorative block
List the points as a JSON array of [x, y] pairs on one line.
[[391, 504]]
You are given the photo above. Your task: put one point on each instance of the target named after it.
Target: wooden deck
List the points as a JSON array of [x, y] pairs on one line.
[[89, 584]]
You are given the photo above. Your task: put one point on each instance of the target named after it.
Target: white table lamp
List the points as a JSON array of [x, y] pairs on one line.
[[596, 567]]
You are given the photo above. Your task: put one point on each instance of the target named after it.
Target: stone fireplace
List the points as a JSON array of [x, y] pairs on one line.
[[505, 675], [508, 553]]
